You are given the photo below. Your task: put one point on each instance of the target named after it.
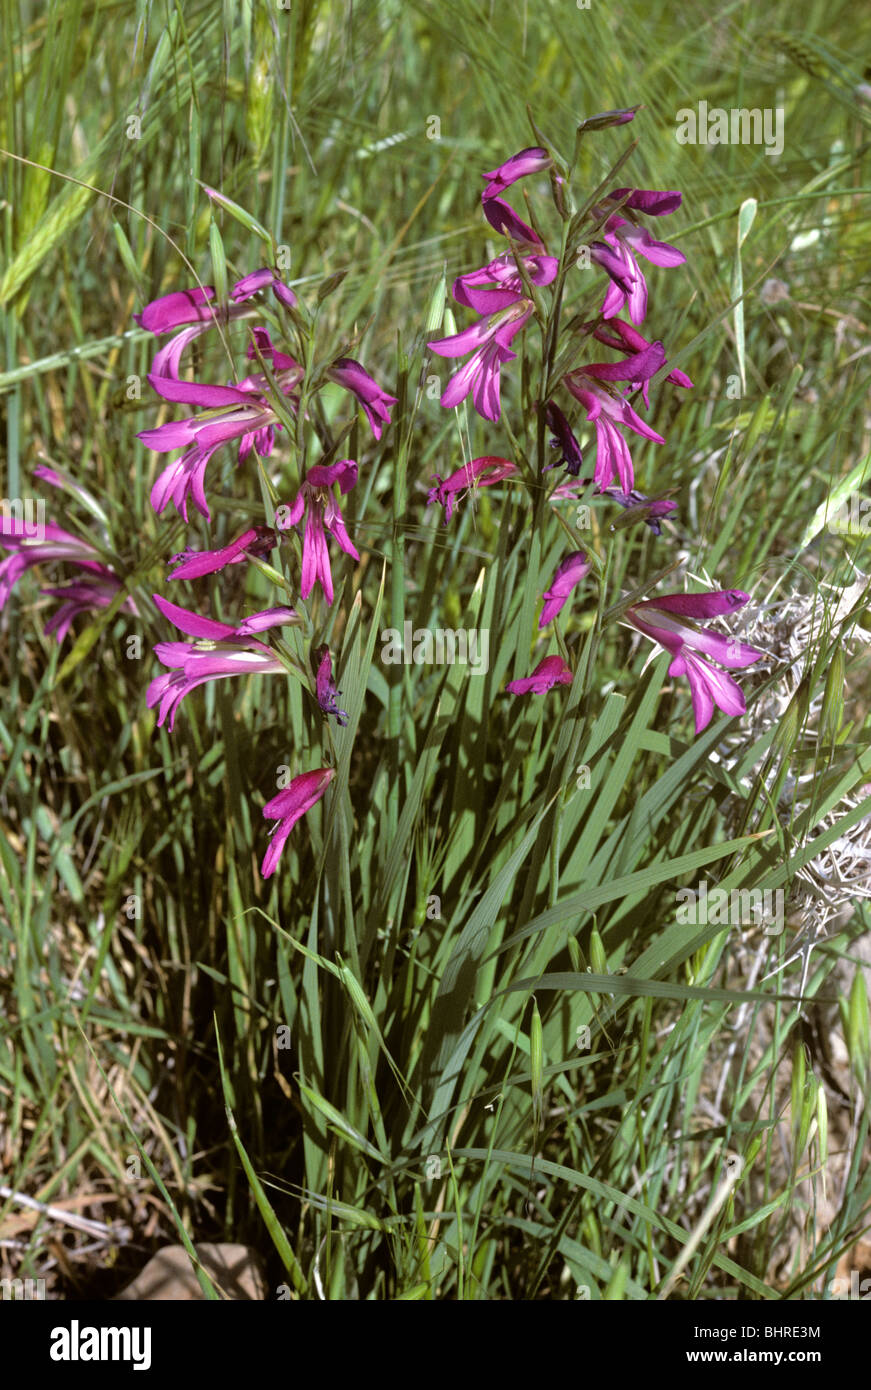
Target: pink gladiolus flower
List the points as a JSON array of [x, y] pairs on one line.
[[569, 573], [607, 411], [552, 671], [257, 540], [82, 596], [261, 280], [375, 402], [325, 686], [96, 589], [480, 472], [180, 307], [668, 620], [504, 219], [529, 161], [630, 342], [501, 282], [287, 807], [218, 650], [628, 285], [655, 202], [489, 342], [52, 543], [322, 513], [192, 307], [266, 618], [240, 412]]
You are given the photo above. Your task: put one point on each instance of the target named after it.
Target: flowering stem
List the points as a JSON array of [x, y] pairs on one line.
[[397, 580]]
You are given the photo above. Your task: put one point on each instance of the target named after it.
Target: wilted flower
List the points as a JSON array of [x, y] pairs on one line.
[[569, 572], [552, 671], [664, 619], [325, 685], [480, 472], [608, 118], [650, 510], [322, 512], [647, 509], [564, 440], [287, 807]]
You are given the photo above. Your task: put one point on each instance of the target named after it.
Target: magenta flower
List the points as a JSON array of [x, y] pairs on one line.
[[260, 280], [504, 219], [502, 283], [630, 342], [96, 589], [266, 618], [612, 452], [83, 596], [52, 543], [480, 472], [322, 512], [240, 412], [569, 573], [257, 540], [548, 673], [287, 807], [325, 687], [628, 285], [376, 403], [607, 411], [664, 620], [489, 341], [655, 202], [180, 307], [218, 650], [529, 161], [192, 307]]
